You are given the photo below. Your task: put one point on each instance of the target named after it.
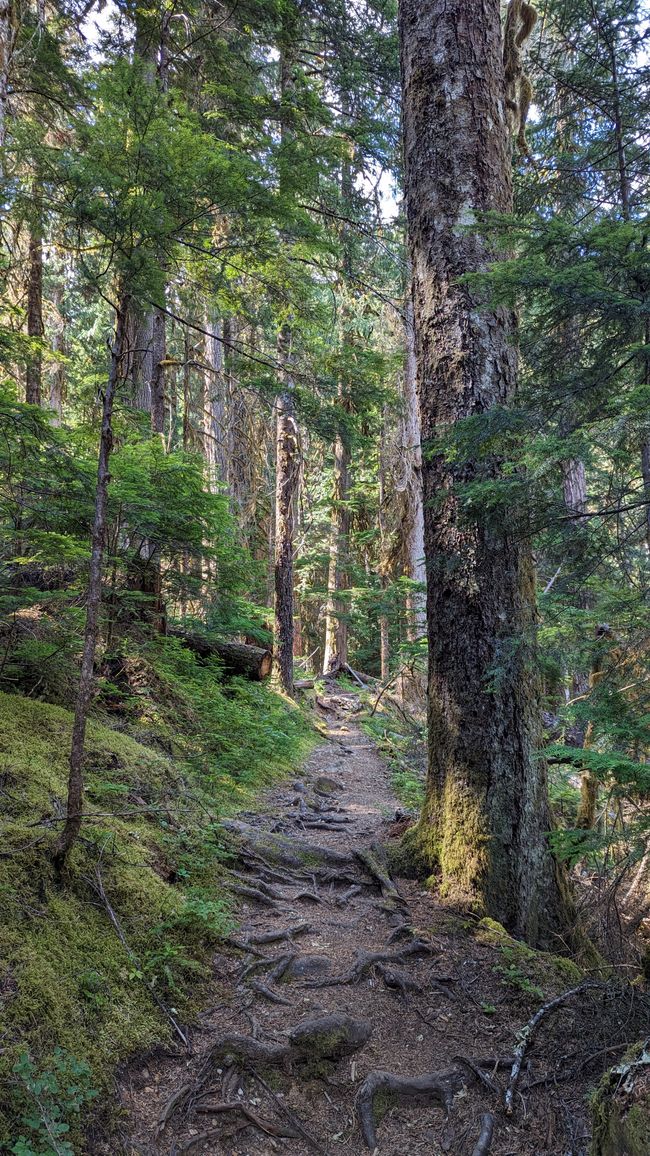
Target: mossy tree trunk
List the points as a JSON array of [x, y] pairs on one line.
[[486, 815]]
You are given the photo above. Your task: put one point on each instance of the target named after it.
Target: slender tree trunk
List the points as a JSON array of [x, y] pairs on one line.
[[384, 646], [336, 627], [7, 36], [335, 653], [486, 813], [35, 328], [645, 473], [57, 377], [156, 370], [214, 407], [74, 807], [287, 471], [287, 448]]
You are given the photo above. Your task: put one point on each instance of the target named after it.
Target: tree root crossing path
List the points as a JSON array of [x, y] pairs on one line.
[[351, 1012]]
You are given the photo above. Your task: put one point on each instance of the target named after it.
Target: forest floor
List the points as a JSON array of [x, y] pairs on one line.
[[449, 997]]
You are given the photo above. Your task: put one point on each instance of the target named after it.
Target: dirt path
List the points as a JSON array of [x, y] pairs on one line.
[[429, 1007]]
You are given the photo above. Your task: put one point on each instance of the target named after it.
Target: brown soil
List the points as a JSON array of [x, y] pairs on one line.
[[465, 994]]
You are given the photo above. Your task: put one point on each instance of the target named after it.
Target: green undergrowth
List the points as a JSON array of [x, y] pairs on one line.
[[403, 747], [183, 750]]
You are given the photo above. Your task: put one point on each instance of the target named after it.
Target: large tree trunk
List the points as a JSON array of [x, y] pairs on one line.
[[411, 485], [486, 815], [74, 807]]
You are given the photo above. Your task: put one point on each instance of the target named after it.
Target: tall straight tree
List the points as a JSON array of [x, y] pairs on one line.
[[486, 815], [287, 443]]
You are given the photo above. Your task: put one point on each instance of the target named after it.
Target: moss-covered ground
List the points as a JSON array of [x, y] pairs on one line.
[[172, 750]]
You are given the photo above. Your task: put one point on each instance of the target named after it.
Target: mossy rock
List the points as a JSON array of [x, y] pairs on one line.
[[621, 1107], [330, 1037]]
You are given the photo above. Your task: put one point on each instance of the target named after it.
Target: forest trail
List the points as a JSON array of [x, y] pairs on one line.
[[435, 1002]]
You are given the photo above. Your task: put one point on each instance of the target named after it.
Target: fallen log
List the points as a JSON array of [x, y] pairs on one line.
[[253, 662]]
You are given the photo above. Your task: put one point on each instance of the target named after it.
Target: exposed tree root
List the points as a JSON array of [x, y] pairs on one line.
[[398, 980], [375, 861], [484, 1142], [281, 967], [268, 993], [250, 1118], [291, 1116], [254, 895], [366, 960], [481, 1076], [438, 1087], [289, 851], [342, 900], [287, 933]]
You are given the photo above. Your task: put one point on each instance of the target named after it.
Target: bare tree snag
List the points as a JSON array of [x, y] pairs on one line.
[[486, 813], [74, 806]]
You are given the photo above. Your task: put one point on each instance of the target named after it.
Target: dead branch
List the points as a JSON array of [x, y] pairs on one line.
[[291, 1116], [527, 1033], [266, 1126], [97, 885]]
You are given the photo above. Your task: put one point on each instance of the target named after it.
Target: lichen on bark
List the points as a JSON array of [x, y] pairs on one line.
[[484, 826]]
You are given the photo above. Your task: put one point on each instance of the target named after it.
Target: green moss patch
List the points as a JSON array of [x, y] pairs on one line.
[[69, 991], [536, 974], [621, 1107]]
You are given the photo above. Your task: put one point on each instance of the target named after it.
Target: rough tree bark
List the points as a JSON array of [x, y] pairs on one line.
[[74, 807], [7, 38], [411, 485], [486, 814], [335, 653], [287, 441], [287, 473], [645, 472], [215, 423], [35, 328]]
